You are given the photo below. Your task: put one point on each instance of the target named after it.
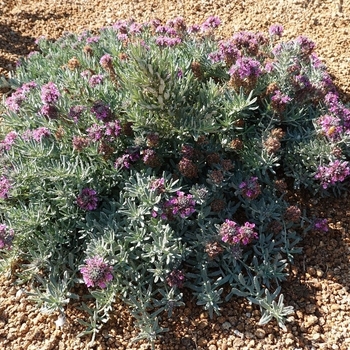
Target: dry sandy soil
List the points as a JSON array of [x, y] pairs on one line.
[[319, 283]]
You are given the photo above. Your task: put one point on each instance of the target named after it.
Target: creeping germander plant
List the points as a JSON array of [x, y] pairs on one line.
[[154, 157]]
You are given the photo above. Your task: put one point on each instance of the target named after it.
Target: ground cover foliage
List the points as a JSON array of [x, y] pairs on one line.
[[150, 158]]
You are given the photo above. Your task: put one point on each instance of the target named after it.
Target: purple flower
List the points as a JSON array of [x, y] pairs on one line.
[[49, 93], [5, 187], [6, 237], [246, 67], [95, 80], [39, 133], [9, 140], [87, 199], [276, 29], [101, 111], [96, 272], [75, 112], [250, 189], [210, 22], [321, 225], [176, 278], [335, 172]]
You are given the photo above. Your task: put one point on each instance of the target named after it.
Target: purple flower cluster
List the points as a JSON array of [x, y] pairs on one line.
[[330, 126], [150, 158], [306, 45], [75, 112], [321, 225], [194, 28], [276, 30], [36, 134], [6, 237], [181, 204], [49, 93], [49, 111], [246, 67], [101, 111], [8, 141], [166, 41], [92, 39], [106, 60], [227, 52], [169, 31], [338, 121], [96, 79], [14, 101], [335, 172], [279, 101], [5, 187], [125, 161], [176, 278], [234, 234], [250, 189], [158, 186], [248, 42], [211, 22], [87, 199], [95, 132], [96, 272]]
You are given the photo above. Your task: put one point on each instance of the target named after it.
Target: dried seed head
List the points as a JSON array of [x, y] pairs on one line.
[[213, 249], [73, 63], [217, 205], [271, 88], [278, 133], [272, 145], [236, 144], [213, 158], [196, 69], [188, 168], [88, 50]]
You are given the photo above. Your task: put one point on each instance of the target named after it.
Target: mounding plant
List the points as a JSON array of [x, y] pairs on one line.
[[149, 158]]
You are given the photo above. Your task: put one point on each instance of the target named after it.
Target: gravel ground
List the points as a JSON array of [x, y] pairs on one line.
[[319, 283]]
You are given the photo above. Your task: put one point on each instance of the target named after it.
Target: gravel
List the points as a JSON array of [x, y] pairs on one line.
[[319, 282]]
